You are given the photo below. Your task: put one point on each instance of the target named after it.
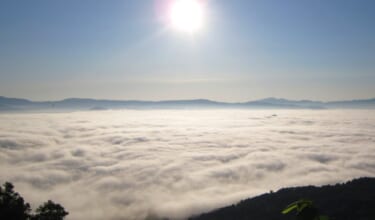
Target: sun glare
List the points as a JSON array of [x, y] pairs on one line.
[[187, 15]]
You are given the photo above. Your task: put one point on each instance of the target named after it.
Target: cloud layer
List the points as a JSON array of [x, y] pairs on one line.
[[174, 163]]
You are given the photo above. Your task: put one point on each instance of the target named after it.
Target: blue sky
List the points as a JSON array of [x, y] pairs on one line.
[[247, 49]]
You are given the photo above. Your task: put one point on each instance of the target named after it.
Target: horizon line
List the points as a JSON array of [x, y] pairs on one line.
[[192, 99]]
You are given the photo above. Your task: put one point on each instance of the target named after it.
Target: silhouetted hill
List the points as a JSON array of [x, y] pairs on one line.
[[284, 103], [354, 200], [14, 101], [367, 103], [14, 104]]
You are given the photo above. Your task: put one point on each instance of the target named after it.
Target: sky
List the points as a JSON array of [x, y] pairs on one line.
[[246, 50]]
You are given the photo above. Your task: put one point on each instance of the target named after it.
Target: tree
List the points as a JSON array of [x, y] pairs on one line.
[[12, 205], [50, 211]]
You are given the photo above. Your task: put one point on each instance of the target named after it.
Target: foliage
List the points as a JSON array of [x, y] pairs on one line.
[[305, 210], [50, 211], [13, 206], [298, 205]]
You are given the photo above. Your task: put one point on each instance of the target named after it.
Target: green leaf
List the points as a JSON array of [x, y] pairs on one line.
[[323, 217], [289, 208], [299, 205]]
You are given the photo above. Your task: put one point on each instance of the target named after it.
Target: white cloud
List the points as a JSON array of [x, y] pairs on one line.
[[174, 163]]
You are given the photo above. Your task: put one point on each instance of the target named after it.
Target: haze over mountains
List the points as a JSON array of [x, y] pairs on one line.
[[16, 104]]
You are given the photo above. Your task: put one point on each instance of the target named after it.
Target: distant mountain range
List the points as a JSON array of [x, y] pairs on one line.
[[15, 104], [354, 200]]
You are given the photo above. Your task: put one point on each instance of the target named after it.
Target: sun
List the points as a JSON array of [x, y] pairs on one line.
[[187, 15]]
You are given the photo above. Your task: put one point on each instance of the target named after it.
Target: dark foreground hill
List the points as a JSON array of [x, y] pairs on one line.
[[354, 200]]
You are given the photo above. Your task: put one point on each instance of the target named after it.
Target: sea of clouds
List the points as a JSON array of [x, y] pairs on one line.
[[174, 163]]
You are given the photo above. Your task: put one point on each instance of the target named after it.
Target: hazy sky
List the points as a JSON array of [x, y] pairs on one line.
[[247, 49]]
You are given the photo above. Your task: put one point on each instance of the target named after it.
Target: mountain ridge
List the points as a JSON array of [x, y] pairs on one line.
[[18, 104]]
